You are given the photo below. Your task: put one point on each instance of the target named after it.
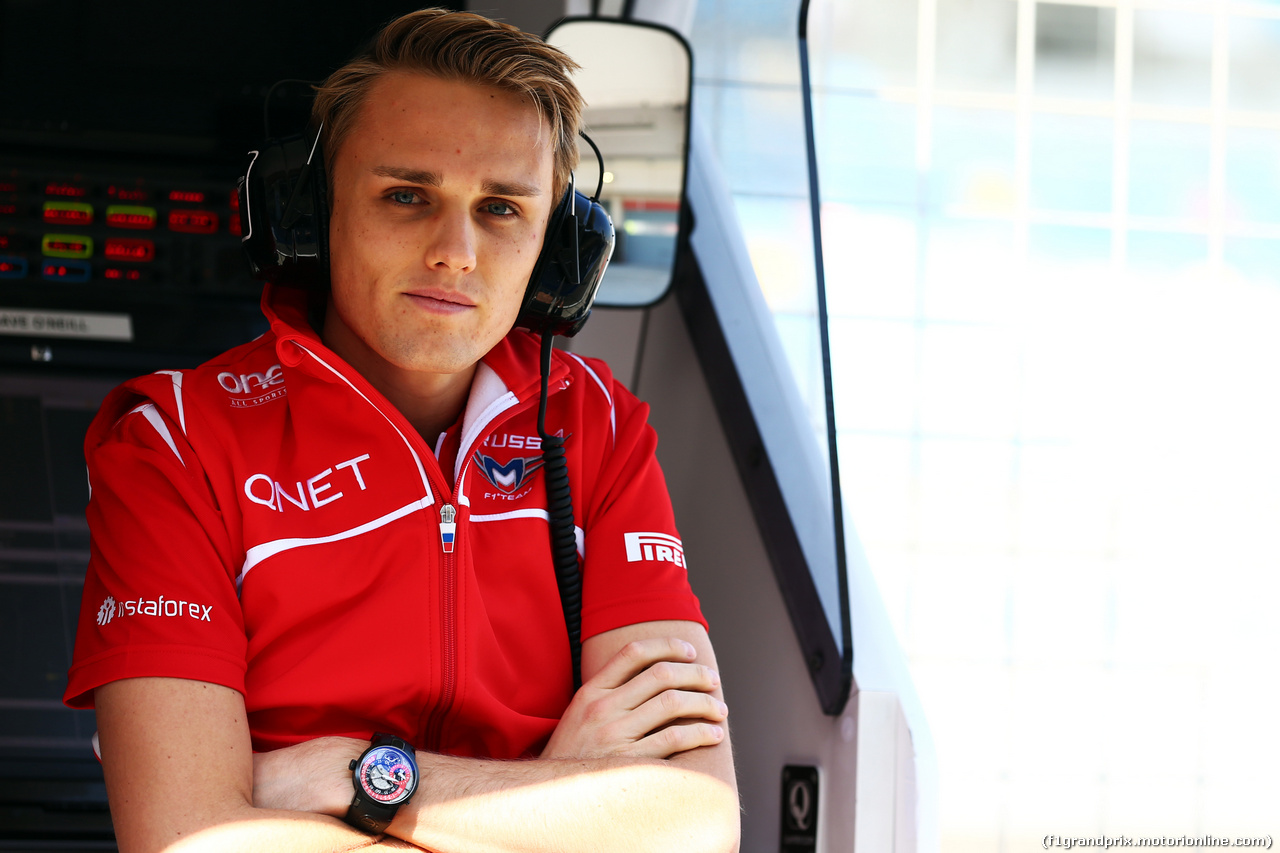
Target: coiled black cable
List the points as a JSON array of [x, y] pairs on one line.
[[564, 544]]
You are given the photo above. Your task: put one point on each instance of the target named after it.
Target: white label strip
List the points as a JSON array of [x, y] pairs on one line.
[[89, 325]]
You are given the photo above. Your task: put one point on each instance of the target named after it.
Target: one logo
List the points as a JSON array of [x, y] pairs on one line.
[[658, 547], [508, 477], [107, 611], [253, 389]]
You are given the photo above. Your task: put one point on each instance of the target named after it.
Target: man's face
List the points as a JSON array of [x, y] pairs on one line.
[[441, 195]]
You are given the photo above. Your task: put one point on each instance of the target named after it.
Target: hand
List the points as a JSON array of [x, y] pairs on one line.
[[312, 776], [649, 701]]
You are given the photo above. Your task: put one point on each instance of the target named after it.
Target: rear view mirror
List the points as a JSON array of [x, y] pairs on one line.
[[636, 78]]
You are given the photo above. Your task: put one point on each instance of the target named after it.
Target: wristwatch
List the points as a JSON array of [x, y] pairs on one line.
[[385, 777]]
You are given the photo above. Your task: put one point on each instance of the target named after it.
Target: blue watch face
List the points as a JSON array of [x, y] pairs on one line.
[[387, 775]]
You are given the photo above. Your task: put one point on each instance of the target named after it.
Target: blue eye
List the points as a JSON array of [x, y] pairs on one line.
[[499, 208], [403, 197]]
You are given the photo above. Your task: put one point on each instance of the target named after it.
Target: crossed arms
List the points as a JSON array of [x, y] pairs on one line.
[[641, 760]]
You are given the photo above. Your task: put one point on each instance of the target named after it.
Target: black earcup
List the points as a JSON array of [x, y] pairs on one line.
[[284, 213], [566, 276]]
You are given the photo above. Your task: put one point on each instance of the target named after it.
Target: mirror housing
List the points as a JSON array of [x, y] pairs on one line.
[[636, 78]]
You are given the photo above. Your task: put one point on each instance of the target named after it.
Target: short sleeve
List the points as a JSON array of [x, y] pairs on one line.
[[634, 568], [159, 594]]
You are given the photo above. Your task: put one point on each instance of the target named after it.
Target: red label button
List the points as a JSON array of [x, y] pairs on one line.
[[131, 216], [126, 193], [139, 251], [65, 190], [117, 274], [193, 221], [68, 213]]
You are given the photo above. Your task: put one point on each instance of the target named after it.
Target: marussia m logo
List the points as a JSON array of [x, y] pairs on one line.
[[509, 477]]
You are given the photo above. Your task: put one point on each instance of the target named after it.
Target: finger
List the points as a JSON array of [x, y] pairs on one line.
[[639, 655], [662, 676], [673, 707], [674, 739]]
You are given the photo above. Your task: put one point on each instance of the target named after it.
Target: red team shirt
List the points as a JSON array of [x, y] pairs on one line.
[[269, 522]]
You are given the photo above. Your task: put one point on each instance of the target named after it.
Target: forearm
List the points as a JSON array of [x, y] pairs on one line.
[[466, 805], [641, 760], [178, 767], [251, 830]]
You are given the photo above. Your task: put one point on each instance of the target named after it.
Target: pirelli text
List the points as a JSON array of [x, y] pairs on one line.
[[1106, 842]]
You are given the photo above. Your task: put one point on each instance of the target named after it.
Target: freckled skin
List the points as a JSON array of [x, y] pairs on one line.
[[441, 195]]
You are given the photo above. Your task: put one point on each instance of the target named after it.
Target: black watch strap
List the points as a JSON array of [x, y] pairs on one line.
[[368, 817], [366, 813]]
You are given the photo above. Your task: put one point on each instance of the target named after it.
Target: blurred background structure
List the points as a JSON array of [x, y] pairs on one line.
[[1052, 255]]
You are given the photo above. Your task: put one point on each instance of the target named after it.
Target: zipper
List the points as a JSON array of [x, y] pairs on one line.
[[449, 651], [448, 529]]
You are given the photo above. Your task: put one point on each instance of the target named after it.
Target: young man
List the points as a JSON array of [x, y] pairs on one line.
[[339, 531]]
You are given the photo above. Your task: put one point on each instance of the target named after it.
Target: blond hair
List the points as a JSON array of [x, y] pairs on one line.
[[464, 47]]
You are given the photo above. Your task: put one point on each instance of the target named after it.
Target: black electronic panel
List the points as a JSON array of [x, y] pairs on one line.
[[50, 782], [124, 128], [119, 265]]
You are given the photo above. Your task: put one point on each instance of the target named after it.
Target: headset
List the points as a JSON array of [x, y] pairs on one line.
[[284, 221]]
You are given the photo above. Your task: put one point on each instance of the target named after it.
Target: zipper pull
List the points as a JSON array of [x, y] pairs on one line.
[[447, 527]]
